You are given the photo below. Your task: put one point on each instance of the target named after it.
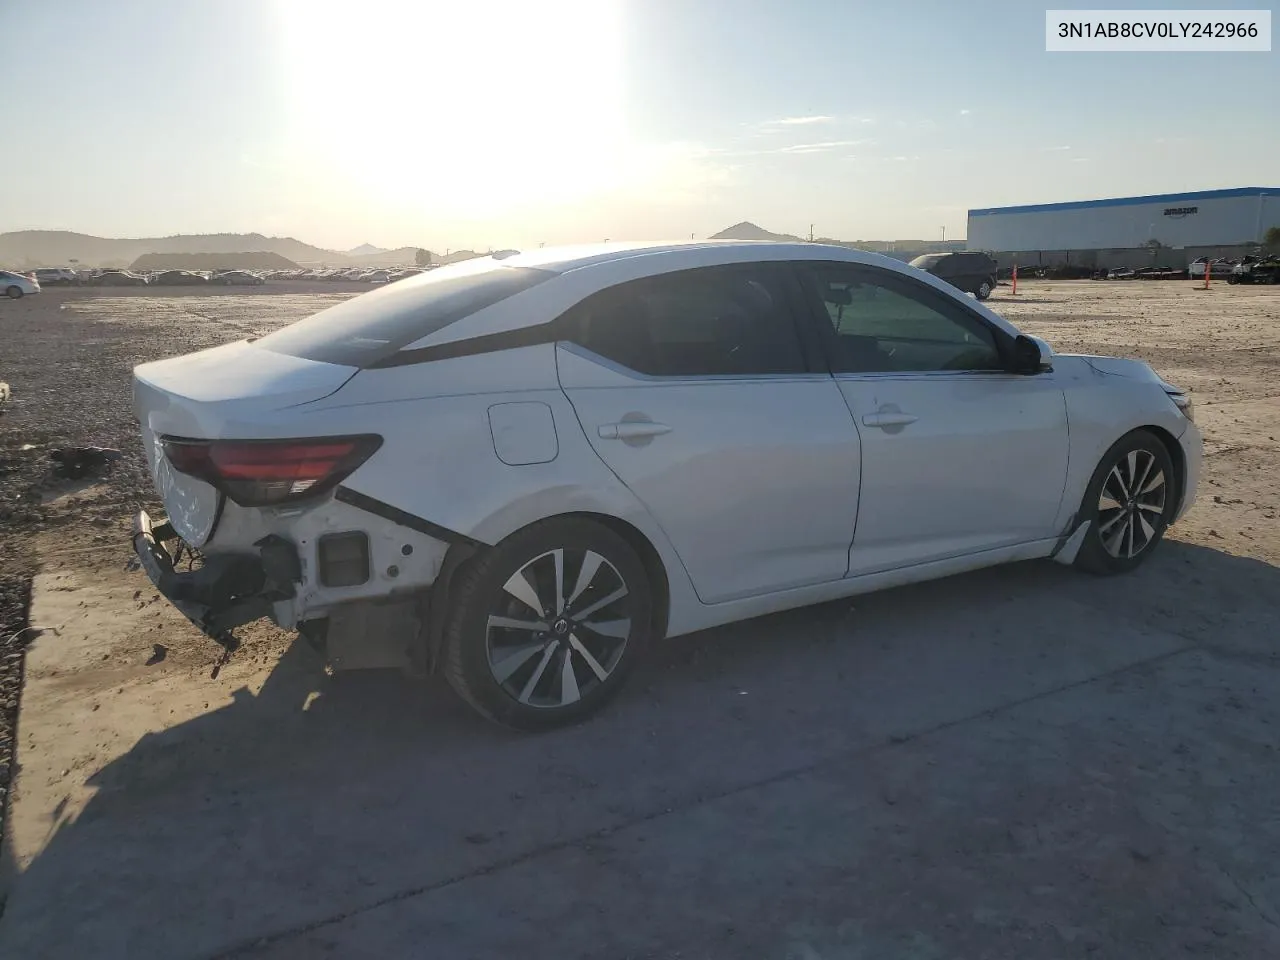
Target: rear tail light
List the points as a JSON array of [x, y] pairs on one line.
[[261, 473]]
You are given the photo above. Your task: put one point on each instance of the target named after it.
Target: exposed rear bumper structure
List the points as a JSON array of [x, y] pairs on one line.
[[228, 589]]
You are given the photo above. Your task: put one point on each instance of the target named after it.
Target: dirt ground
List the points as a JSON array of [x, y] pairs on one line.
[[1018, 763]]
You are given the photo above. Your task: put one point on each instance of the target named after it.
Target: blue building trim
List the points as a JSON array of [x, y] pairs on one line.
[[1174, 198]]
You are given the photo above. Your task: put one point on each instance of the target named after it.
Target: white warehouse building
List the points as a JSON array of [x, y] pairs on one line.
[[1192, 223]]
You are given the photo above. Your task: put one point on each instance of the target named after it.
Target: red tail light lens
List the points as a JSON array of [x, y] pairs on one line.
[[261, 473]]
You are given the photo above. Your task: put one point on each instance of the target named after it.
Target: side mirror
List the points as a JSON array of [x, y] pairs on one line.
[[1027, 357]]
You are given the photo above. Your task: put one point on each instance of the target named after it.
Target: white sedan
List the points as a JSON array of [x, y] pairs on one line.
[[523, 469], [17, 285]]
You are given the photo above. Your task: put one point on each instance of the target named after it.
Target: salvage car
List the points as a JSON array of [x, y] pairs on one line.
[[120, 278], [57, 276], [1256, 269], [971, 271], [1219, 269], [18, 285], [239, 278], [522, 470], [179, 278]]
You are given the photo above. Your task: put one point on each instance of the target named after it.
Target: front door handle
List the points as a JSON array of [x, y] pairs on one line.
[[883, 420], [632, 430]]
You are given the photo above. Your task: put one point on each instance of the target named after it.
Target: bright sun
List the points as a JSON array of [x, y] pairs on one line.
[[465, 109]]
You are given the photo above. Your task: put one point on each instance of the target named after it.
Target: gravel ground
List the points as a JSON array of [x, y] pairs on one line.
[[68, 357]]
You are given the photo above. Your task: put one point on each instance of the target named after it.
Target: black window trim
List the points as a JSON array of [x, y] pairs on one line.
[[945, 304], [403, 356], [558, 331]]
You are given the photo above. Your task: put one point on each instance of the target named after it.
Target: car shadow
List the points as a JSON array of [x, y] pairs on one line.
[[318, 794], [1018, 298]]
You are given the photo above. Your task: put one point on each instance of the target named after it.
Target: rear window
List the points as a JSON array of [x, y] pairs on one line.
[[927, 262], [371, 327]]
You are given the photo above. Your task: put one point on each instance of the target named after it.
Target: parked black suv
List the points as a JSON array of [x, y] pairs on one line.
[[972, 272]]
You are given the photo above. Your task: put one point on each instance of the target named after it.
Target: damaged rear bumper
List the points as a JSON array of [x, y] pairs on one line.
[[228, 589]]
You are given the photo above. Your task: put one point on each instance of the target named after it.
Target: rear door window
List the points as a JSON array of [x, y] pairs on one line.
[[709, 322], [369, 328]]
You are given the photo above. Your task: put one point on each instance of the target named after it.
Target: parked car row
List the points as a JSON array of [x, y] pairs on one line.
[[58, 276], [176, 278], [1256, 270], [1141, 273], [1054, 272], [32, 281], [357, 274]]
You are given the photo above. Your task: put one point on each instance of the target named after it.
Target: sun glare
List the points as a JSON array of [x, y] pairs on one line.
[[455, 108]]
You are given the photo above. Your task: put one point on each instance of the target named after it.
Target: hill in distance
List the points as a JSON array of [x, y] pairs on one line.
[[25, 249], [749, 231], [898, 249], [248, 260], [366, 250]]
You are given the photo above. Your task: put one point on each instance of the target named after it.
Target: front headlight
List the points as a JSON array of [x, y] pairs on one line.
[[1184, 404]]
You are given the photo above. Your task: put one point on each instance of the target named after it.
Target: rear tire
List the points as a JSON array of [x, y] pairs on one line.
[[14, 292], [539, 668], [1130, 501]]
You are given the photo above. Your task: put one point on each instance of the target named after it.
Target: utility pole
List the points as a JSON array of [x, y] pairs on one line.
[[944, 234], [811, 233]]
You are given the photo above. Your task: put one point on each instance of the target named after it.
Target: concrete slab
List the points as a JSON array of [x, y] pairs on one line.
[[273, 800], [1071, 825]]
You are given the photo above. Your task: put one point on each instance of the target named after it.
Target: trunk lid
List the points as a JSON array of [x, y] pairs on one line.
[[231, 391]]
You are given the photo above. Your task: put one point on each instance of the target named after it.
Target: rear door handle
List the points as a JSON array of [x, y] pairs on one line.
[[632, 429], [888, 419]]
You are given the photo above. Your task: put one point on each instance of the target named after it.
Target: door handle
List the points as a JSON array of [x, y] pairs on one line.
[[632, 430], [888, 419]]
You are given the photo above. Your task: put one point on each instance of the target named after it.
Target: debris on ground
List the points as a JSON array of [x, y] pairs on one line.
[[73, 463]]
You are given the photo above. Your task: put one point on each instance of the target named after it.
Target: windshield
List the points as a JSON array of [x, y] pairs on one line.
[[926, 262], [368, 328]]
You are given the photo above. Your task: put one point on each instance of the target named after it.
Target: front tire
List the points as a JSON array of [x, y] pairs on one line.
[[1130, 502], [545, 627], [984, 290], [14, 292]]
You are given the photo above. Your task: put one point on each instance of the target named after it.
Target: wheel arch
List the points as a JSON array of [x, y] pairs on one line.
[[659, 582], [461, 553], [1176, 455]]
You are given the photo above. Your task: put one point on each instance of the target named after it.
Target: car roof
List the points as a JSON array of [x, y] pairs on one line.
[[659, 254], [584, 270]]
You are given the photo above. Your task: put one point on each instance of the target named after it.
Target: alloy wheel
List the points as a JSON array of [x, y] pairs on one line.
[[558, 627], [1131, 505]]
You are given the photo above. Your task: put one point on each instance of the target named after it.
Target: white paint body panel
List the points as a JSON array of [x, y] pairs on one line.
[[982, 466], [764, 493], [751, 502]]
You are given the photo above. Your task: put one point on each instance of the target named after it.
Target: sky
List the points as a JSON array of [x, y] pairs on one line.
[[508, 123]]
